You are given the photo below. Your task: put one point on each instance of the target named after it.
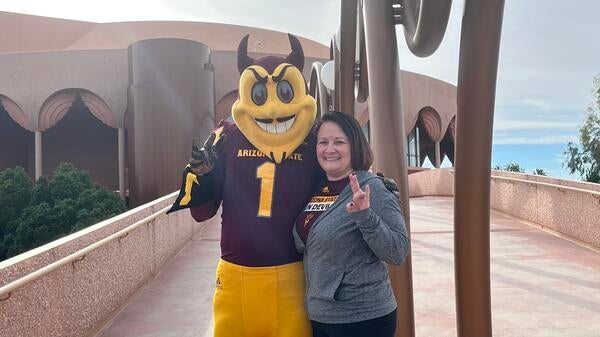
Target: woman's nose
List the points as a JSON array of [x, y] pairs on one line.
[[329, 148]]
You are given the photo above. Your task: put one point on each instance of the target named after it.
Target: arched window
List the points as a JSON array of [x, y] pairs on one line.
[[79, 128], [16, 138]]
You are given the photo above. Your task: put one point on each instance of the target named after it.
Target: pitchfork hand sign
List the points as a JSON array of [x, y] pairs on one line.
[[360, 199]]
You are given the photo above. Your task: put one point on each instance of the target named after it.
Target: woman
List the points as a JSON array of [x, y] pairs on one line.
[[351, 226]]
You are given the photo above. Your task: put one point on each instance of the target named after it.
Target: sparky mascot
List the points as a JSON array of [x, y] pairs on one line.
[[261, 171]]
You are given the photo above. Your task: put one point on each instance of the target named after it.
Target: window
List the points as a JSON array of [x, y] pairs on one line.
[[412, 148]]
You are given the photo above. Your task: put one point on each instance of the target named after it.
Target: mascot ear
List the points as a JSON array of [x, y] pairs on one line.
[[296, 57], [244, 61]]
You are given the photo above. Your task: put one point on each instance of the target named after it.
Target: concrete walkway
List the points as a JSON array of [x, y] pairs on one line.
[[542, 285]]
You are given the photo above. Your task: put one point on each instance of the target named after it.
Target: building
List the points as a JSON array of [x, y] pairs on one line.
[[123, 100]]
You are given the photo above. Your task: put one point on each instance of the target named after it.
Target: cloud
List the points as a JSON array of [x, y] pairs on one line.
[[545, 139], [314, 19], [537, 103], [95, 11], [514, 125]]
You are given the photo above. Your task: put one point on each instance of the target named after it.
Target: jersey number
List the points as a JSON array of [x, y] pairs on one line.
[[266, 174]]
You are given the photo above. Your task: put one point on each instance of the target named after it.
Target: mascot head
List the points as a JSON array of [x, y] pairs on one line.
[[274, 110]]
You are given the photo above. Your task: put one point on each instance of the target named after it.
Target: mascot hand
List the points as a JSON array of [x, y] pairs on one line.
[[204, 158]]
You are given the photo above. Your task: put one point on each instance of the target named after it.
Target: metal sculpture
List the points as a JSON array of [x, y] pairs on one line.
[[367, 66], [478, 66]]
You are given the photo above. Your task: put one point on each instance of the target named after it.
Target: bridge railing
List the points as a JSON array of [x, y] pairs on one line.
[[568, 208], [71, 286]]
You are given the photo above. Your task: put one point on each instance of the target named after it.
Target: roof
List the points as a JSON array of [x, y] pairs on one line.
[[29, 33]]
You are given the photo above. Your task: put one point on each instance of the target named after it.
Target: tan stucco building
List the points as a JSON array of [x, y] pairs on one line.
[[123, 100]]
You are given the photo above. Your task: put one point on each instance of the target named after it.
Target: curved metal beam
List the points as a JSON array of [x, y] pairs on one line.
[[424, 22]]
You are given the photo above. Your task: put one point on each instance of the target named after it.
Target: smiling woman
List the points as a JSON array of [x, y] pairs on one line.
[[350, 226]]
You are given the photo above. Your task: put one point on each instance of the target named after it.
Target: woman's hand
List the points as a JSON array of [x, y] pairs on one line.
[[360, 199]]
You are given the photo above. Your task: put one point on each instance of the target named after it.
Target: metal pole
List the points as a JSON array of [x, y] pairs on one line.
[[335, 97], [478, 66], [388, 137], [347, 56]]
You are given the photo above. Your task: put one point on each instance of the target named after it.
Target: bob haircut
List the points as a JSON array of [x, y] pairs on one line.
[[360, 150]]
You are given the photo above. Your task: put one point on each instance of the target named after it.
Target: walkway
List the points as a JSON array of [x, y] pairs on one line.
[[542, 285]]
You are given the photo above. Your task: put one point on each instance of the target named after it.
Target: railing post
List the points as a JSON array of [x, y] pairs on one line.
[[478, 65]]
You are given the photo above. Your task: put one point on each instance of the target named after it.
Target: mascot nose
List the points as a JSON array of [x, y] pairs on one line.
[[273, 114]]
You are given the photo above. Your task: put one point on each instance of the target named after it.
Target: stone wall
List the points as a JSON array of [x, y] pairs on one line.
[[570, 208], [77, 298]]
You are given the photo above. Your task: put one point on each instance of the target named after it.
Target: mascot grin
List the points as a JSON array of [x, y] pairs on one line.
[[274, 110]]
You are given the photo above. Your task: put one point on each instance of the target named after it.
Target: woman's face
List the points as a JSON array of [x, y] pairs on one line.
[[333, 151]]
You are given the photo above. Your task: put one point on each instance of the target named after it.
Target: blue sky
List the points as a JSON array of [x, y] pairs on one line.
[[549, 56]]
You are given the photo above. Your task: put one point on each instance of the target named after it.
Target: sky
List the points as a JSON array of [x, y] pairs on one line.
[[549, 55]]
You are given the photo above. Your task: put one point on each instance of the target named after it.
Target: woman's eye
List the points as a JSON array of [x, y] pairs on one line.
[[259, 93], [285, 91]]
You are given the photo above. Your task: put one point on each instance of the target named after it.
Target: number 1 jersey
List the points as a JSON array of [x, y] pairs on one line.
[[260, 200]]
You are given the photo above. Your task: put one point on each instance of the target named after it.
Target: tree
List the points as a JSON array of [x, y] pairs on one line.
[[512, 167], [69, 182], [34, 214], [584, 157], [539, 172], [15, 192]]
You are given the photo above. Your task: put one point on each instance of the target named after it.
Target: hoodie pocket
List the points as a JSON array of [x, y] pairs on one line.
[[329, 289], [336, 293]]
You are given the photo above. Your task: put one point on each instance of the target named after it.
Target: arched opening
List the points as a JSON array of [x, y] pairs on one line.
[[421, 141], [447, 143], [16, 142], [431, 123], [223, 109], [426, 144], [77, 131], [317, 89]]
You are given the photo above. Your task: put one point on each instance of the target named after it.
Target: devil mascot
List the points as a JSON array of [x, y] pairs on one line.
[[261, 170]]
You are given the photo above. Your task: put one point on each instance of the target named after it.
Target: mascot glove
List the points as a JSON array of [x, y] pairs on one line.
[[204, 158]]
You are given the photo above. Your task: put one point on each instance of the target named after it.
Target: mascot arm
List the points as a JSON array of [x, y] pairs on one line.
[[201, 178], [195, 190], [205, 211]]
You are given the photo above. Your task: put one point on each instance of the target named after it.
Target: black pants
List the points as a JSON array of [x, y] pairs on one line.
[[384, 326]]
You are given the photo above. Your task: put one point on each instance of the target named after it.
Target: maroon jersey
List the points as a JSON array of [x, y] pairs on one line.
[[325, 195], [260, 200]]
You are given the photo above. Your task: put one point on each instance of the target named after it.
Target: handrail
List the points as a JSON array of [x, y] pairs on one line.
[[560, 187], [5, 291]]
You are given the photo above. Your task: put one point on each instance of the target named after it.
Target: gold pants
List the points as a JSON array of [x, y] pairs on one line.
[[260, 301]]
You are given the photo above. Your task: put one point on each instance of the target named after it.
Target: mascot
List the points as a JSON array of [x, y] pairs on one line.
[[261, 171]]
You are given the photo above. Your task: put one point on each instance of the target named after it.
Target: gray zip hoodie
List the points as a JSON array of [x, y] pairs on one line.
[[346, 278]]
